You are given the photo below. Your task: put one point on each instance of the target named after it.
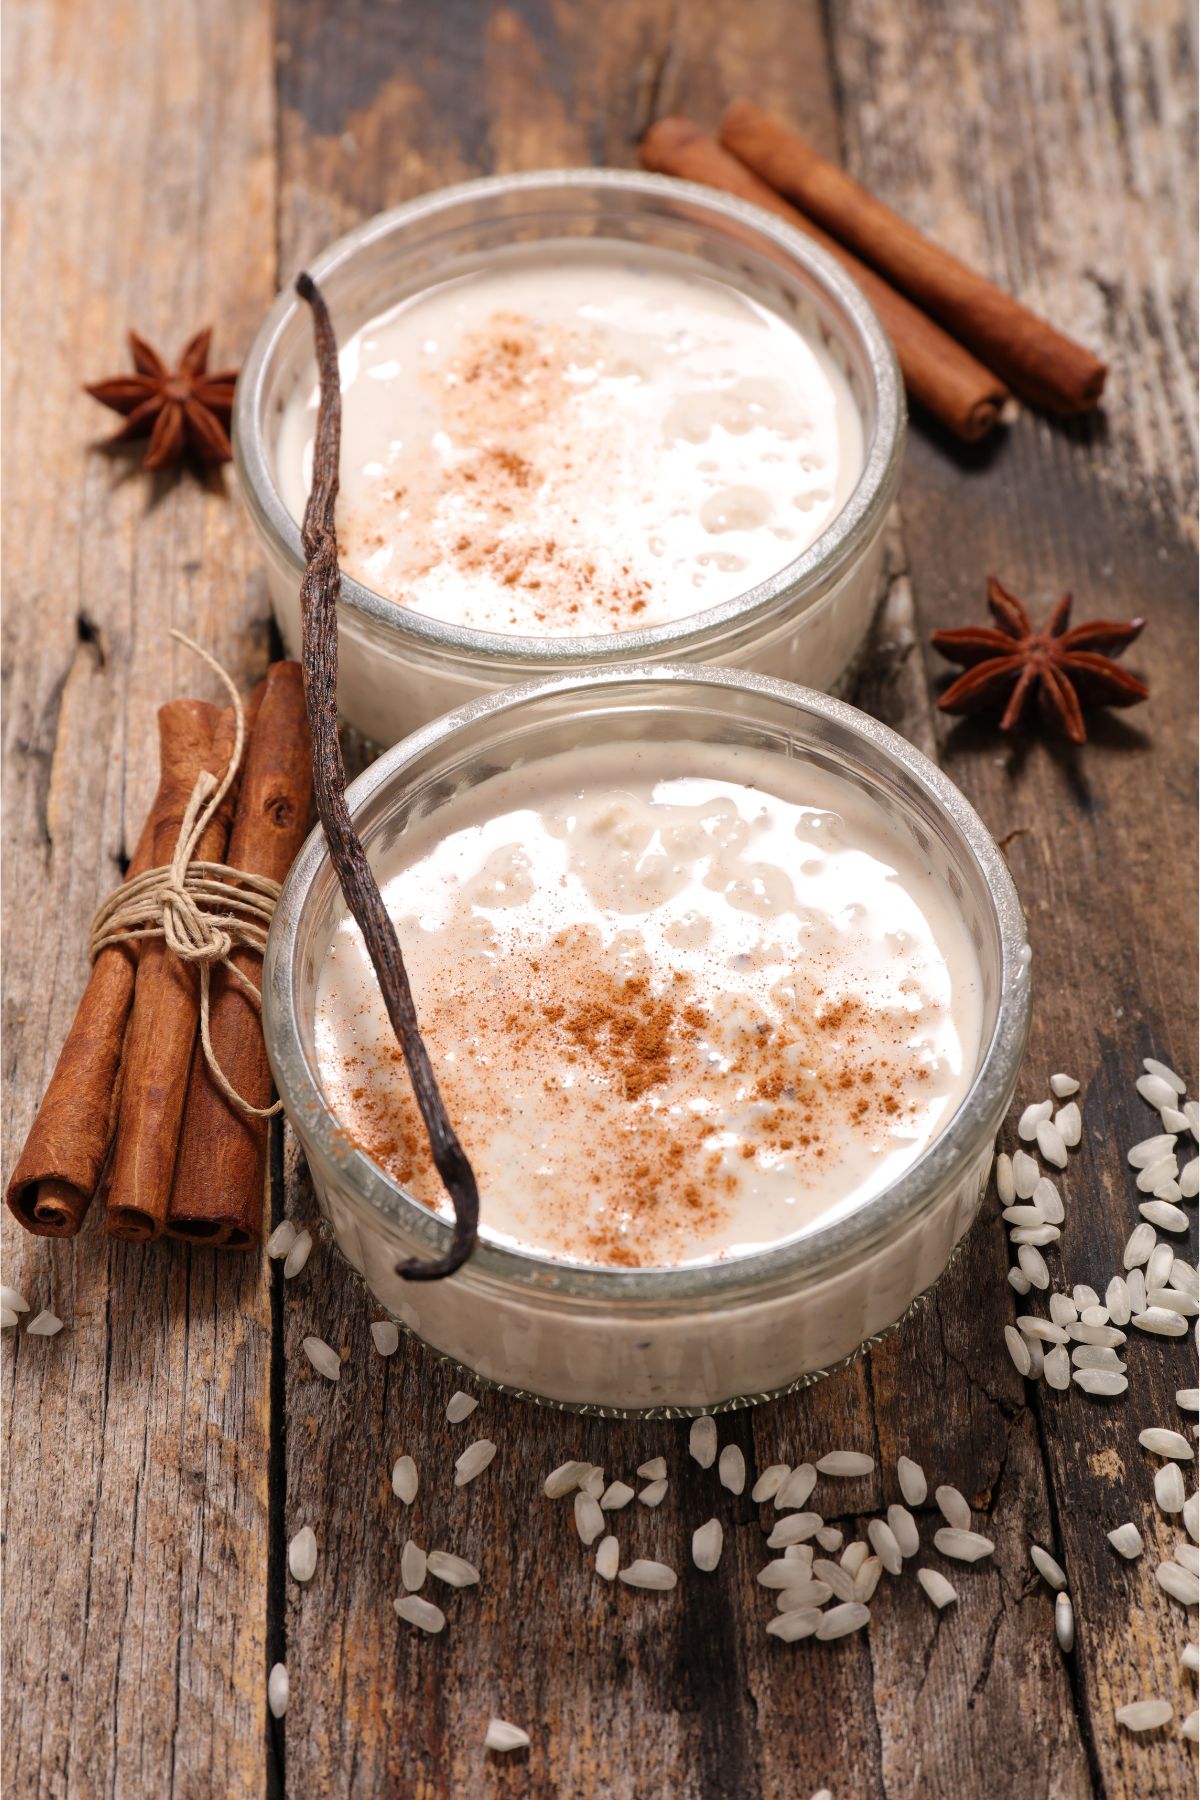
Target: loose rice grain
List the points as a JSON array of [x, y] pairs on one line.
[[936, 1588], [702, 1441], [325, 1361], [616, 1496], [413, 1566], [46, 1324], [791, 1626], [1161, 1442], [845, 1464], [1061, 1086], [278, 1692], [455, 1571], [1050, 1571], [911, 1477], [421, 1613], [1145, 1715], [1057, 1368], [404, 1480], [608, 1559], [1169, 1490], [654, 1494], [885, 1546], [502, 1736], [963, 1546], [1103, 1384], [768, 1483], [460, 1406], [731, 1469], [1126, 1540], [904, 1528], [797, 1488], [385, 1334], [280, 1242], [645, 1573], [707, 1541], [1064, 1623], [298, 1255], [302, 1554], [589, 1519], [841, 1620], [473, 1461], [953, 1507]]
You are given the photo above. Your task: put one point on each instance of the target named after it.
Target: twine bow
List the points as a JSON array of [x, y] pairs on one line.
[[203, 911]]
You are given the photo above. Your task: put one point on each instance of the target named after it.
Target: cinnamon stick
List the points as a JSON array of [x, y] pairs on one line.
[[217, 1196], [939, 373], [59, 1169], [166, 1009], [1039, 362]]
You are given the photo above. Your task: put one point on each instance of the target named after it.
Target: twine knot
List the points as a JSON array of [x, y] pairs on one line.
[[203, 911]]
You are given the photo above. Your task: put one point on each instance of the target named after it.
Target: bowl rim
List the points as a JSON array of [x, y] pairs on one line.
[[813, 572], [821, 1247]]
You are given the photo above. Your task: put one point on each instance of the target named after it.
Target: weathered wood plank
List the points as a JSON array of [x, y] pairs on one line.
[[139, 191], [1061, 163], [984, 1690]]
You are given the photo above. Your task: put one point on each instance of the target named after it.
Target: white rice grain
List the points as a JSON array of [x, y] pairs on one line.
[[1107, 1337], [707, 1541], [1145, 1715], [904, 1529], [1030, 1326], [1140, 1243], [404, 1480], [1064, 1623], [278, 1690], [589, 1519], [1094, 1315], [1051, 1145], [854, 1556], [460, 1406], [1189, 1178], [502, 1736], [1190, 1728], [797, 1488], [784, 1572], [1006, 1187], [421, 1613], [1161, 1442], [885, 1546], [867, 1579], [841, 1620], [1191, 1516], [298, 1255], [1048, 1201], [455, 1571], [1097, 1356], [1068, 1122], [46, 1324], [838, 1579], [1165, 1169], [794, 1528], [963, 1546], [1164, 1215], [562, 1480], [768, 1484], [413, 1566], [1159, 1264], [953, 1507], [1026, 1174], [1018, 1350], [911, 1477], [647, 1574], [593, 1482], [1169, 1490], [1126, 1540], [1063, 1309], [616, 1496], [473, 1461], [1050, 1571], [831, 1538], [801, 1622], [386, 1336], [936, 1588], [1153, 1067], [8, 1318], [1057, 1368], [1040, 1236], [845, 1464], [731, 1469], [1104, 1384], [1184, 1277], [655, 1494], [654, 1470], [325, 1361], [608, 1559], [1150, 1150], [1083, 1295], [1033, 1116], [1034, 1264], [1116, 1298], [1190, 1658], [1156, 1091], [1158, 1322], [302, 1554], [702, 1442], [280, 1242], [1062, 1086], [1191, 1112], [1179, 1582], [1019, 1281], [1135, 1281]]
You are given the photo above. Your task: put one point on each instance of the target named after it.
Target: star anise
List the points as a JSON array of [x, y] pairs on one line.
[[1068, 670], [181, 409]]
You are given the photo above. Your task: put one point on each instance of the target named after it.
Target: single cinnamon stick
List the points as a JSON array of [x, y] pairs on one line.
[[217, 1196], [939, 373], [1039, 362], [162, 1025], [61, 1165]]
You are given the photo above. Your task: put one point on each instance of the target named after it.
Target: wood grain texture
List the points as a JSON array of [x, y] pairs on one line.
[[1050, 144], [139, 191]]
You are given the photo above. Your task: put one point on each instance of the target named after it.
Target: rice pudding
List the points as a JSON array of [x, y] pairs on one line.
[[682, 999], [579, 439]]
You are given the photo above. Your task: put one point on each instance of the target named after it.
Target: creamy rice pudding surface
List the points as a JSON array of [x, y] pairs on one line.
[[681, 999], [572, 442]]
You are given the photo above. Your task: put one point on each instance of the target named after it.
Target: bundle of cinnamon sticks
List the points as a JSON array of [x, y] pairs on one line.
[[961, 341], [132, 1108]]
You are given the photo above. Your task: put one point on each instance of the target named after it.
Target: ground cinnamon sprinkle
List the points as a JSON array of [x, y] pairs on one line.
[[504, 400], [639, 1078]]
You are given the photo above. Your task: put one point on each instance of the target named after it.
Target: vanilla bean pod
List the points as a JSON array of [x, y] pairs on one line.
[[319, 596]]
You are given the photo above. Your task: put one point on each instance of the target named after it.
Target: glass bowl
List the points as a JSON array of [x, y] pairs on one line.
[[657, 1340], [399, 668]]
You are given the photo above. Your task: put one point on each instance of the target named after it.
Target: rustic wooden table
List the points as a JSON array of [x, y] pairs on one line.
[[168, 164]]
